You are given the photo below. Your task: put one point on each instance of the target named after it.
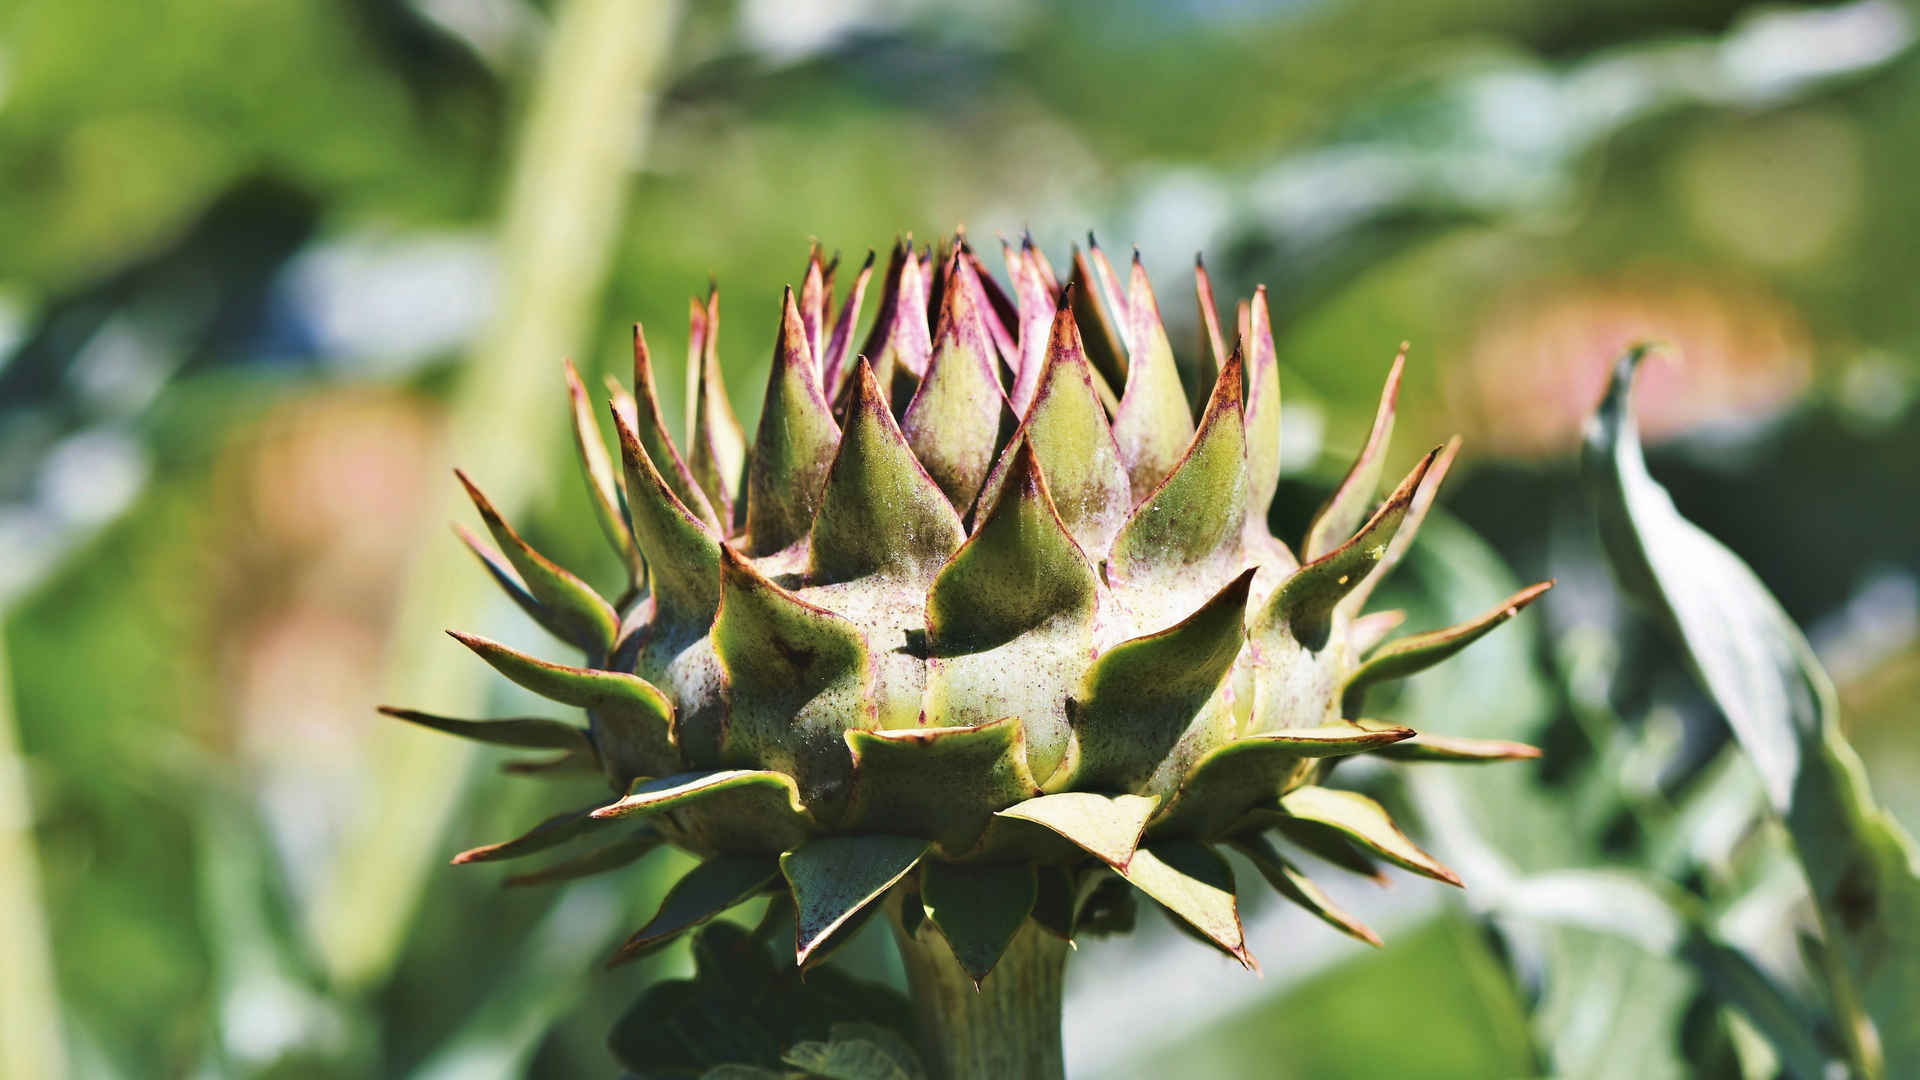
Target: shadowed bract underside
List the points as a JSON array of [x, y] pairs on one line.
[[981, 616]]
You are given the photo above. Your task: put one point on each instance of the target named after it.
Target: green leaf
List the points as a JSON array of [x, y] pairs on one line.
[[1019, 595], [1067, 430], [719, 883], [880, 512], [1140, 699], [550, 833], [632, 720], [635, 845], [1366, 823], [1348, 504], [834, 878], [1154, 425], [954, 421], [682, 551], [649, 425], [978, 907], [793, 446], [528, 732], [1106, 826], [603, 482], [1254, 770], [1196, 884], [847, 1059], [1185, 538], [740, 1010], [1288, 881], [797, 677], [940, 784], [1753, 661]]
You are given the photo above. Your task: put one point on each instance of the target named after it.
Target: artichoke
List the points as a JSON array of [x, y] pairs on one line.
[[964, 633]]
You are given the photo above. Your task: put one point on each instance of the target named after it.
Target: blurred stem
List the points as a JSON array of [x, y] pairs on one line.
[[588, 116], [1007, 1028], [30, 1033]]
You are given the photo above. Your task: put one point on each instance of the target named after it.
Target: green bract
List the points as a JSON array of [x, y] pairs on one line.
[[966, 627]]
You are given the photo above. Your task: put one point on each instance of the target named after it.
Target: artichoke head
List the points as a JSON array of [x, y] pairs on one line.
[[982, 618]]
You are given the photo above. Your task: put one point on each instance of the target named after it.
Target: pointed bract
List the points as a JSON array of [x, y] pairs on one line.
[[797, 677], [1255, 770], [1138, 702], [1423, 499], [1366, 823], [954, 419], [505, 576], [632, 720], [880, 512], [651, 430], [1037, 308], [1154, 423], [1213, 347], [900, 344], [943, 784], [1107, 827], [1018, 596], [1453, 748], [718, 456], [1302, 607], [635, 845], [834, 877], [526, 732], [1068, 433], [812, 309], [1105, 349], [1188, 530], [753, 810], [794, 445], [550, 833], [1288, 881], [834, 367], [583, 617], [714, 886], [1196, 885], [603, 483], [978, 908], [1263, 412], [681, 551], [1348, 504], [1410, 655]]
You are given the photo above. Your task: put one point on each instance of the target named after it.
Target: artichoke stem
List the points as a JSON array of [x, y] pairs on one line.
[[1009, 1028]]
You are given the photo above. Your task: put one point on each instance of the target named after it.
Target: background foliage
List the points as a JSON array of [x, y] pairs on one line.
[[267, 270]]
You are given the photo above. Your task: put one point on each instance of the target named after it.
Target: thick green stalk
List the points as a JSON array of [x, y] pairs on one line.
[[1006, 1029], [30, 1035], [588, 115]]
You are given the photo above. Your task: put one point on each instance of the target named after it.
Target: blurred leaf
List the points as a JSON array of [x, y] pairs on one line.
[[1753, 660], [741, 1008]]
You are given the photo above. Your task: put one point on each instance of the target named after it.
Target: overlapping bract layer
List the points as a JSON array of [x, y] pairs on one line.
[[982, 616]]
